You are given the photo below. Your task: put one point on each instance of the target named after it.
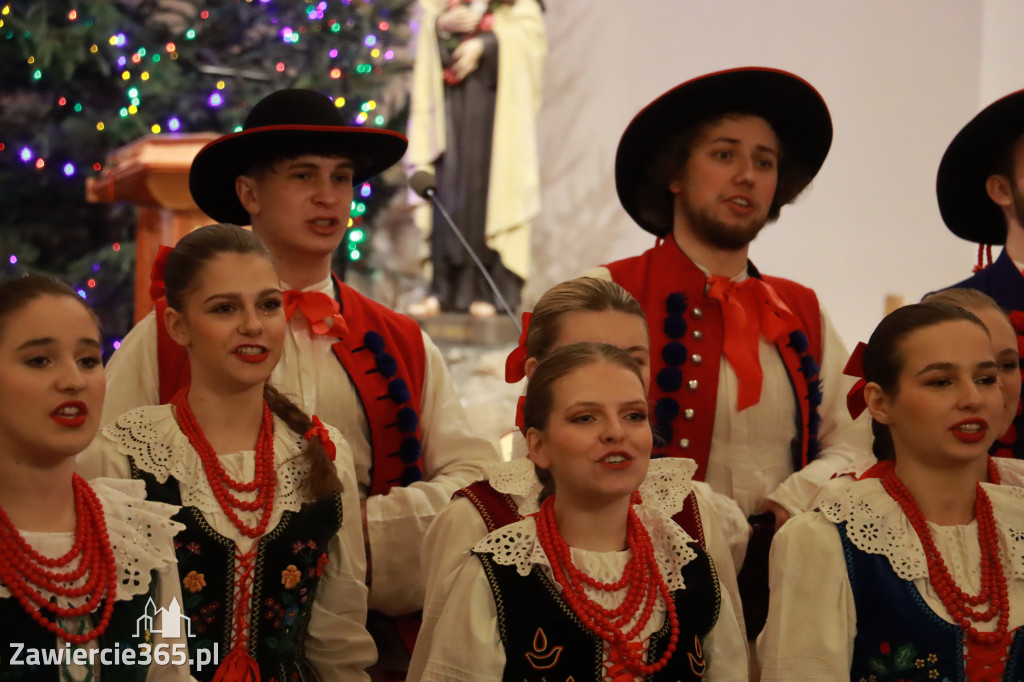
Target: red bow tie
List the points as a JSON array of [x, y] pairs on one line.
[[750, 308], [322, 311]]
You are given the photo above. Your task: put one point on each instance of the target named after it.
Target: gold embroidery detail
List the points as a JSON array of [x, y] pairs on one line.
[[697, 663], [542, 658]]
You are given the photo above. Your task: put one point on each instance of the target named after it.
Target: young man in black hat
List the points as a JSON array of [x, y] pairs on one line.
[[748, 368], [361, 367], [980, 188]]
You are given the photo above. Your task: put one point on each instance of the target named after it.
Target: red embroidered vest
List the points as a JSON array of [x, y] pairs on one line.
[[686, 351]]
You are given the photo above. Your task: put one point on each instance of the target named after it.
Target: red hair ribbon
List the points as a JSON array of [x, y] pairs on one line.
[[855, 402], [318, 308], [320, 431], [515, 363], [520, 419], [157, 290]]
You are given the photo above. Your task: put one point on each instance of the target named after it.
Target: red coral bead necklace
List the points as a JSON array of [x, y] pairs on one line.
[[25, 572], [264, 479], [958, 603], [641, 578]]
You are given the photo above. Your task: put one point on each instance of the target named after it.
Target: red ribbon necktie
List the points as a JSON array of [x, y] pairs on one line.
[[318, 430], [750, 309], [322, 311], [855, 401], [515, 363]]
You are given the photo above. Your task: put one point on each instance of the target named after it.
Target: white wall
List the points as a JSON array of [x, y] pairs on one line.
[[900, 77]]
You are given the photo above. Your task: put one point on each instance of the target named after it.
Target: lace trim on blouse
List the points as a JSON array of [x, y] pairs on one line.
[[141, 535], [876, 524], [151, 437], [669, 481]]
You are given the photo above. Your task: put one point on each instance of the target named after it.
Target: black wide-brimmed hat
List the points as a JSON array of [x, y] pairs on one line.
[[795, 110], [970, 158], [282, 123]]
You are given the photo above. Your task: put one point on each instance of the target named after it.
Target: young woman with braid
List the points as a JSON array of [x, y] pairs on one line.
[[271, 559], [79, 562]]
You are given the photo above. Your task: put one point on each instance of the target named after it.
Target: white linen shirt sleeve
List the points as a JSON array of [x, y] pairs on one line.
[[812, 618], [842, 440], [453, 457], [446, 548], [466, 646], [133, 374]]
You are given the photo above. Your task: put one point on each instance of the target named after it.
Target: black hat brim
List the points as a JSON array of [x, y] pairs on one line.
[[212, 176], [970, 158], [794, 109]]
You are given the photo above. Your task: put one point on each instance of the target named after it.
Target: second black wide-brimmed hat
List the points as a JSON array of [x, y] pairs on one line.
[[285, 120], [970, 158], [795, 110]]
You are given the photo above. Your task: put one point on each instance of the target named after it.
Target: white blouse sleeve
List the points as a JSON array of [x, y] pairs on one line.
[[453, 457], [466, 646], [842, 439], [717, 510], [337, 643], [725, 647], [446, 548], [812, 618], [133, 374]]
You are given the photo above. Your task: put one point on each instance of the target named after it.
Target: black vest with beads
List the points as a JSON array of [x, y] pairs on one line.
[[289, 562], [545, 641], [19, 628]]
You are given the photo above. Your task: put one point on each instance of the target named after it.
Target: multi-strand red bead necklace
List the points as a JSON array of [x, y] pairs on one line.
[[25, 572], [641, 578], [263, 483], [985, 651], [238, 664]]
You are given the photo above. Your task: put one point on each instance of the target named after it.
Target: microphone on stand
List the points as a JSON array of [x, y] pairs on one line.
[[425, 184]]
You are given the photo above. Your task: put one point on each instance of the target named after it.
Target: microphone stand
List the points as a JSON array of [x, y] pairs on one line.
[[431, 195]]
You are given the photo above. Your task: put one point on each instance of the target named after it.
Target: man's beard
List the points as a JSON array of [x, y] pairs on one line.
[[718, 234]]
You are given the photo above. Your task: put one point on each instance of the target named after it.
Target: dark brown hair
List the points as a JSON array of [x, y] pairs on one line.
[[656, 200], [184, 266], [884, 359], [965, 298], [583, 294], [540, 389], [17, 293]]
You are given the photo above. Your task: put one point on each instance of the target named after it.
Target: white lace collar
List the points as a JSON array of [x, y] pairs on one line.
[[141, 534], [669, 481], [876, 524], [151, 437]]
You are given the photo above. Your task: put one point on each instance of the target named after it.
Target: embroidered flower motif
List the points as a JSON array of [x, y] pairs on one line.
[[194, 547], [298, 546], [290, 577], [194, 582], [919, 662], [291, 615], [932, 658], [884, 648], [933, 674], [321, 564]]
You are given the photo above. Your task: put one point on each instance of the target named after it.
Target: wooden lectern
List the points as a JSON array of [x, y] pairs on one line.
[[152, 174]]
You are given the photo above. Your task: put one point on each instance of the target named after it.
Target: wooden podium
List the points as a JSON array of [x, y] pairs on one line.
[[152, 174]]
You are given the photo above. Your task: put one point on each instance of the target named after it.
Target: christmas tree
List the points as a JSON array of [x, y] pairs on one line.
[[79, 78]]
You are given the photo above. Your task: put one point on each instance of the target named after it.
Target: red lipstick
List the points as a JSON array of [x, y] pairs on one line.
[[970, 430], [71, 413]]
